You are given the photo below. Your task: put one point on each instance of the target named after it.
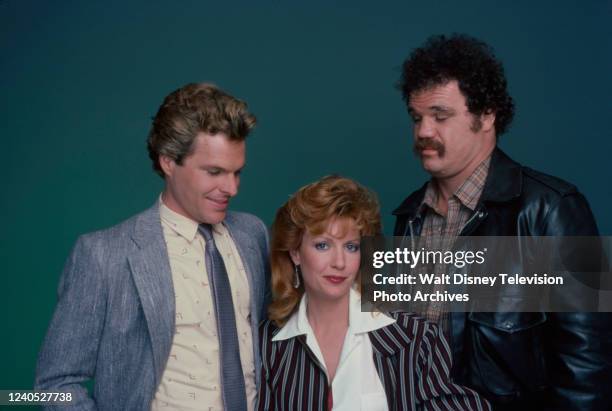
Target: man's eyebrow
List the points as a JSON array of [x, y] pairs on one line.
[[220, 169], [434, 109], [212, 167], [442, 109]]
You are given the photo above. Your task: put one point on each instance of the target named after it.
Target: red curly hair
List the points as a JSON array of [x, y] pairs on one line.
[[312, 208]]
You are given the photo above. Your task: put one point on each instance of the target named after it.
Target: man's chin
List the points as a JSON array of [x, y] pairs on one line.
[[214, 217], [430, 165]]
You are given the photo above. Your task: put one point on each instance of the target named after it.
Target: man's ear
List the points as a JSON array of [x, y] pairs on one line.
[[167, 164], [295, 256], [487, 119]]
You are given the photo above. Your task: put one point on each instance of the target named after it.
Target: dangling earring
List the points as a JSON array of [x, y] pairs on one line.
[[296, 276]]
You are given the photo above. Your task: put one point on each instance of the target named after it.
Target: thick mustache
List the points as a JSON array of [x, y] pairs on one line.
[[428, 144]]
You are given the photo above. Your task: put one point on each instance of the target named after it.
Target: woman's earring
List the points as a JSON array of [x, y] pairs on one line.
[[296, 276]]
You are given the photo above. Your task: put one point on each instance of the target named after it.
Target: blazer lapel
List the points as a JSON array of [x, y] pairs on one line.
[[387, 343], [251, 260], [250, 256], [153, 279]]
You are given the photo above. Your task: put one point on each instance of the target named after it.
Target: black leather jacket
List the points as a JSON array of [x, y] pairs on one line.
[[527, 361]]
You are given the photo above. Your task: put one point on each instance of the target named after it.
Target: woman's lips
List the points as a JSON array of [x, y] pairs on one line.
[[334, 279]]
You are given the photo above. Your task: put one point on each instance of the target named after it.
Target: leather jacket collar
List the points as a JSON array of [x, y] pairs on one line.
[[503, 183]]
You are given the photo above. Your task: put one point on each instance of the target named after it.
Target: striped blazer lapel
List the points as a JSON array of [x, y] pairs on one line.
[[313, 390], [387, 345], [294, 378], [390, 340]]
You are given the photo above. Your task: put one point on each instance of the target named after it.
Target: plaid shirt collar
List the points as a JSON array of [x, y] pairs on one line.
[[468, 193]]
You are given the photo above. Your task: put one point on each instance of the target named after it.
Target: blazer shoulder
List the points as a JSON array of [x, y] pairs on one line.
[[119, 237], [267, 329], [413, 325], [244, 220], [248, 223], [271, 351], [113, 233]]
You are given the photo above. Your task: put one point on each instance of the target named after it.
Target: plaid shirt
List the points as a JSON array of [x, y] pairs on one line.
[[440, 231]]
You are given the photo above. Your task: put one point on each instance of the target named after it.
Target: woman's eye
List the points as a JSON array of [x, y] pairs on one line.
[[322, 245], [352, 247]]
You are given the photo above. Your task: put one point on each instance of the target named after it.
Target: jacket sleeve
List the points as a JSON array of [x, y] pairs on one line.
[[434, 388], [265, 397], [579, 351], [68, 354]]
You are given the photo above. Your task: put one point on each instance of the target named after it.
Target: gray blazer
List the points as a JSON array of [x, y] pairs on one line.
[[114, 320]]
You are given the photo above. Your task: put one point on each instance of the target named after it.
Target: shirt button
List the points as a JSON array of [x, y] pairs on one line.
[[508, 324]]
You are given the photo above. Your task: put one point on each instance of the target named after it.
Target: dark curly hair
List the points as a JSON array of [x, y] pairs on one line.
[[469, 61]]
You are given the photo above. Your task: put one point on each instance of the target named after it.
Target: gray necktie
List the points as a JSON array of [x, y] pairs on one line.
[[232, 378]]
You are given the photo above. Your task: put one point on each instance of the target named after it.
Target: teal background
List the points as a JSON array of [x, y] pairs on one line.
[[80, 80]]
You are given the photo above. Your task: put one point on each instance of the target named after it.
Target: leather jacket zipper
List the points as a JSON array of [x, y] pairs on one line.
[[411, 234], [477, 214]]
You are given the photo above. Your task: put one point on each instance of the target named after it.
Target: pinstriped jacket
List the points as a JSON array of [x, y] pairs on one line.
[[412, 359]]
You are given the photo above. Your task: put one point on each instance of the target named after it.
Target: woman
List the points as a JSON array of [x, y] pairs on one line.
[[319, 351]]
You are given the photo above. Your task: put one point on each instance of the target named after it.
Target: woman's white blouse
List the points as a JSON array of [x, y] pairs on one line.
[[356, 385]]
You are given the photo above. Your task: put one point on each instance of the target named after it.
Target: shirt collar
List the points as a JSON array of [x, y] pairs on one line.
[[468, 193], [297, 323], [359, 322], [430, 198], [364, 322], [184, 226]]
